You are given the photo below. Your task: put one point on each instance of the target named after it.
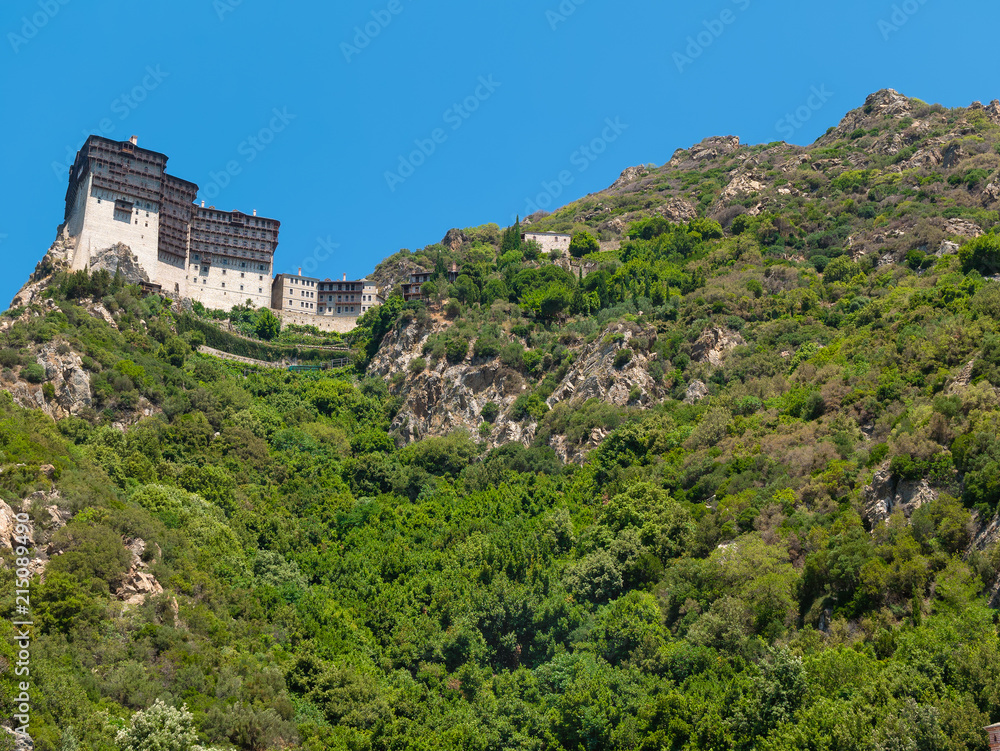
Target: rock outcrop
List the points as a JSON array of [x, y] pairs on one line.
[[712, 346], [710, 148], [629, 176], [882, 105], [8, 527], [696, 391], [454, 239], [119, 259], [59, 257], [677, 210], [886, 494], [139, 583], [987, 538], [451, 396], [594, 375], [65, 372]]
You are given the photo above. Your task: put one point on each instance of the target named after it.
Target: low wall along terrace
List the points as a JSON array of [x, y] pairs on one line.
[[339, 325]]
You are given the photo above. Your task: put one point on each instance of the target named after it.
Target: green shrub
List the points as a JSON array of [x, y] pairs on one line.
[[512, 355], [456, 348], [582, 244], [529, 405], [840, 269], [417, 365], [622, 358], [33, 373], [877, 454], [10, 358], [533, 361], [490, 411], [981, 254], [487, 347]]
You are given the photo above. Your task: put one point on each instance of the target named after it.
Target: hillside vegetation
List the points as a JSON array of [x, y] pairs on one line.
[[728, 481]]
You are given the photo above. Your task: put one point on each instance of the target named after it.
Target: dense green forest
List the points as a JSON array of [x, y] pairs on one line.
[[709, 576]]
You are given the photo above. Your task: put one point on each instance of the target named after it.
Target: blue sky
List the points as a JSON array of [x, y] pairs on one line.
[[367, 127]]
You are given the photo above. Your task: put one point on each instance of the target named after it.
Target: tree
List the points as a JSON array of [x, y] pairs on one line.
[[981, 254], [160, 728], [466, 289], [582, 244], [840, 269], [267, 325], [549, 301], [511, 237]]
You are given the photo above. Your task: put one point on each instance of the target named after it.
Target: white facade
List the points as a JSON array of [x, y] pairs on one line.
[[549, 241], [226, 282], [101, 218]]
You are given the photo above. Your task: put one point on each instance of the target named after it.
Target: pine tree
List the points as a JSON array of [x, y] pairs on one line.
[[511, 239]]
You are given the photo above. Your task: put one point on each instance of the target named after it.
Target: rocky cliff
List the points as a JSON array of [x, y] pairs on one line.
[[445, 396]]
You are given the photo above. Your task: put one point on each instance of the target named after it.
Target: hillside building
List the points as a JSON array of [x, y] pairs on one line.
[[231, 258], [549, 241], [121, 193], [994, 736], [411, 289], [325, 304]]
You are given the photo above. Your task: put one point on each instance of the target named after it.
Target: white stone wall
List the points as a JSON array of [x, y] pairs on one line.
[[172, 276], [220, 287], [339, 324], [550, 242], [94, 225]]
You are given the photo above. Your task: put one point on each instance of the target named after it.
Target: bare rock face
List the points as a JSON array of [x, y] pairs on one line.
[[947, 248], [593, 374], [886, 494], [119, 259], [19, 741], [629, 176], [963, 228], [991, 194], [713, 345], [451, 396], [64, 370], [139, 582], [677, 210], [696, 391], [987, 537], [882, 105], [710, 148], [993, 111], [741, 185], [8, 525], [454, 239], [58, 257]]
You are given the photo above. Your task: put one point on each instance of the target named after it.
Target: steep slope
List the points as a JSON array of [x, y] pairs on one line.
[[712, 486]]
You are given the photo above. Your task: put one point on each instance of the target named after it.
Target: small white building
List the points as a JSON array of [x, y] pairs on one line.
[[549, 241]]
